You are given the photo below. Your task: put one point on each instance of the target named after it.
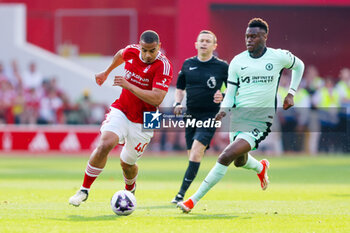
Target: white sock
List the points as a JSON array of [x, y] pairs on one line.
[[130, 181], [83, 188], [214, 176], [92, 171], [253, 164]]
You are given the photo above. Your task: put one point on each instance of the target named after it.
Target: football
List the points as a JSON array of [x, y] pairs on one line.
[[123, 203]]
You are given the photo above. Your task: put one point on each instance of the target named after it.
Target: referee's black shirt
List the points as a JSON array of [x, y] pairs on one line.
[[201, 80]]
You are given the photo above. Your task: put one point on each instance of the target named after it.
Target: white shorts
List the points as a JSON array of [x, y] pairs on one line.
[[132, 134]]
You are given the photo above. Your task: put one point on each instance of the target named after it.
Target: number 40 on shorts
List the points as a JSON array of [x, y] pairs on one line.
[[139, 148]]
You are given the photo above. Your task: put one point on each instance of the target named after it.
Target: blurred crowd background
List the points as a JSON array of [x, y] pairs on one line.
[[319, 121], [28, 97], [47, 62]]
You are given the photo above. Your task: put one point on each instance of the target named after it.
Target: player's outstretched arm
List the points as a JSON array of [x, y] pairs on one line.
[[117, 60]]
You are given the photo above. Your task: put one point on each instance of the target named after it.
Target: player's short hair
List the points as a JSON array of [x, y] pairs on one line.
[[260, 23], [149, 37], [208, 32]]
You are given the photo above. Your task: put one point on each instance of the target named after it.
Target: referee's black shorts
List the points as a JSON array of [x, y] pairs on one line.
[[203, 135]]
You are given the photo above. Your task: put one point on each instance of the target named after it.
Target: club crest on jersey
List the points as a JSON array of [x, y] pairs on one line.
[[269, 66], [146, 69], [128, 76], [211, 82]]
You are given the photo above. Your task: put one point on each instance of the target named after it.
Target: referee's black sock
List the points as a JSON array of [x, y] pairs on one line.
[[190, 174]]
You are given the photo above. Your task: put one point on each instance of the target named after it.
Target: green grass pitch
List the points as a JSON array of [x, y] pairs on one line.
[[306, 194]]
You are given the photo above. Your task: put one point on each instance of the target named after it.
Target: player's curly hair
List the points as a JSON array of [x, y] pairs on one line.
[[260, 23], [149, 37]]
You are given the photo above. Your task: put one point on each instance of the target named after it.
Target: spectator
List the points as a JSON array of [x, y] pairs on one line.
[[50, 110], [302, 106], [288, 119], [66, 106], [7, 100], [18, 106], [14, 75], [327, 100], [343, 87], [312, 80], [84, 107], [32, 78], [89, 112], [3, 76], [31, 107]]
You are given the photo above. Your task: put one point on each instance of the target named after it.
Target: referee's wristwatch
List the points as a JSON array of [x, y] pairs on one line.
[[176, 104]]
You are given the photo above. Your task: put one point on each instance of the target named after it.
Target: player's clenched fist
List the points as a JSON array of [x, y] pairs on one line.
[[288, 102], [218, 97], [220, 115], [178, 110], [120, 81], [101, 78]]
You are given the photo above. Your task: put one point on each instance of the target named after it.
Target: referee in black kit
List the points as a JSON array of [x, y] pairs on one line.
[[201, 77]]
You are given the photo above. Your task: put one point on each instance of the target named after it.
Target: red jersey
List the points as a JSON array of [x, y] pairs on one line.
[[145, 76]]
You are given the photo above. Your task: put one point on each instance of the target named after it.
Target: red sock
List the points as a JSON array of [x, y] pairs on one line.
[[129, 187], [130, 183], [91, 173]]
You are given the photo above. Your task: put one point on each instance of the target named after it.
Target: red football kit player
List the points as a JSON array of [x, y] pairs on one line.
[[148, 74], [145, 76]]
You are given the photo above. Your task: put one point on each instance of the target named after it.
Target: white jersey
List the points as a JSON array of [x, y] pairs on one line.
[[257, 78]]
